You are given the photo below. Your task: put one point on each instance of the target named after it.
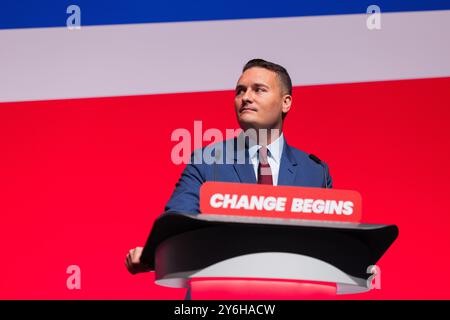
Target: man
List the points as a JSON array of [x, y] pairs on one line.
[[263, 98]]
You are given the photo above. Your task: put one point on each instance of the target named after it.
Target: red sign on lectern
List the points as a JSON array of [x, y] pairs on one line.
[[287, 202]]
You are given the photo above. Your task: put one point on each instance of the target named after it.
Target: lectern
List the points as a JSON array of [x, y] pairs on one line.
[[182, 247]]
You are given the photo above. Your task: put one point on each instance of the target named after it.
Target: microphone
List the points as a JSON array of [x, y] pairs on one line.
[[318, 161]]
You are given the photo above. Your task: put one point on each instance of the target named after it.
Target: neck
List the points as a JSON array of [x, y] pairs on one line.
[[272, 135], [264, 136]]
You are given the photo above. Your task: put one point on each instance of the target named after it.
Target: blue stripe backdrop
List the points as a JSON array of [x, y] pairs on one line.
[[52, 13]]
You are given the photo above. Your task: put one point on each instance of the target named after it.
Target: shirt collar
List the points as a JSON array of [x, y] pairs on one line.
[[275, 149]]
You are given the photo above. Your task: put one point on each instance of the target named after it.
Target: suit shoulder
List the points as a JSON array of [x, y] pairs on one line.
[[215, 152], [302, 156], [299, 154]]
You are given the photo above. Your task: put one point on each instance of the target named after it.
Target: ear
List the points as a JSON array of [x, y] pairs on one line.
[[287, 101]]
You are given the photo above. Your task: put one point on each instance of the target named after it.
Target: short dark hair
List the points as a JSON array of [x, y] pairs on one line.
[[281, 72]]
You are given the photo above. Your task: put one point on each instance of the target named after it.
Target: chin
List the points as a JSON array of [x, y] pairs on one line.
[[250, 123]]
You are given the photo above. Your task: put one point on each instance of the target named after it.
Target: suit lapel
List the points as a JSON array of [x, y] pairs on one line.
[[245, 172], [288, 167], [243, 167]]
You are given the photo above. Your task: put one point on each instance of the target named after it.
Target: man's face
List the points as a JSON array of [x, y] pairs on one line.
[[260, 99]]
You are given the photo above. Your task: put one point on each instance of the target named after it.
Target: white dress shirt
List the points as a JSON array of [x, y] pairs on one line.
[[275, 149]]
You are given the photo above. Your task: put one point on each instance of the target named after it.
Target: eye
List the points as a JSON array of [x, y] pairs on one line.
[[260, 90], [239, 91]]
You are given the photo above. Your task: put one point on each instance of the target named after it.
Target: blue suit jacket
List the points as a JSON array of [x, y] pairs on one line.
[[296, 169]]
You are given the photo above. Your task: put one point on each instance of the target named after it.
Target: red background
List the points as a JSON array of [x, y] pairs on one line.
[[81, 181]]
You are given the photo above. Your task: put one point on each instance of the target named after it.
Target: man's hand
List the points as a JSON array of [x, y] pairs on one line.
[[133, 263]]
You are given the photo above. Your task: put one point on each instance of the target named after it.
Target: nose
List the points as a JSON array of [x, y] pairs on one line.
[[247, 97]]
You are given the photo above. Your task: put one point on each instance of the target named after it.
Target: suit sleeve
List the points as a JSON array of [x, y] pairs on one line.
[[186, 196]]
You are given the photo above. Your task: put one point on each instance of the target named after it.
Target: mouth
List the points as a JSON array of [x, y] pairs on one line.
[[247, 109]]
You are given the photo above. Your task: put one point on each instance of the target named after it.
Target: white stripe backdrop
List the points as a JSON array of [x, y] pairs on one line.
[[99, 61]]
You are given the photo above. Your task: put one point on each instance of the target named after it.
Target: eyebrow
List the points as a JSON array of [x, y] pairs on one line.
[[241, 86], [261, 85]]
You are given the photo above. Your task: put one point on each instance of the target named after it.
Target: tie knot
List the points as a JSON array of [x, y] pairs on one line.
[[263, 155]]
